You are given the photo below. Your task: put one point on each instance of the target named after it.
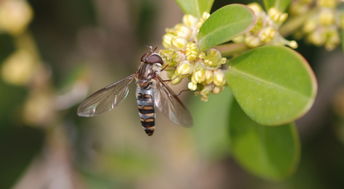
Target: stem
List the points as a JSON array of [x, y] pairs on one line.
[[294, 23], [231, 48]]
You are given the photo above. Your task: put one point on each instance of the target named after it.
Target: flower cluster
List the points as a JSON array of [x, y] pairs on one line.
[[19, 67], [322, 24], [204, 69], [265, 31]]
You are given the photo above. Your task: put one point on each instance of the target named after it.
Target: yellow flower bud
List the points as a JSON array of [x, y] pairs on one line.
[[309, 26], [202, 55], [255, 7], [213, 58], [192, 86], [326, 17], [208, 62], [182, 31], [184, 68], [19, 68], [198, 76], [209, 77], [191, 51], [15, 15], [252, 41], [179, 43], [167, 40], [293, 44], [205, 15], [274, 13], [283, 17], [219, 78], [223, 61], [277, 15], [317, 38], [258, 26], [267, 34], [190, 20]]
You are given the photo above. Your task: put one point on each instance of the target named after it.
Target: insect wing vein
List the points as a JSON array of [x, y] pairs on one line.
[[106, 98], [170, 105]]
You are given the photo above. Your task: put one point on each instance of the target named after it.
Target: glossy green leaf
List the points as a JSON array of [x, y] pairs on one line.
[[224, 24], [268, 152], [273, 84], [279, 4], [210, 123], [195, 7]]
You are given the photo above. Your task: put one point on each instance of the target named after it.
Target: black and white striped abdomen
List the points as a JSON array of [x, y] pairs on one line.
[[145, 104]]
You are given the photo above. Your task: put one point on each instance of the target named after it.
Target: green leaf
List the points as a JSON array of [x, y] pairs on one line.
[[18, 147], [273, 84], [224, 24], [195, 7], [268, 152], [279, 4], [210, 124]]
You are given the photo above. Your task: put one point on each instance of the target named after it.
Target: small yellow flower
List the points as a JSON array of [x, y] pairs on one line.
[[190, 20], [267, 34], [191, 51], [184, 68], [209, 77], [178, 42], [309, 25], [167, 40], [198, 76], [219, 78], [192, 86]]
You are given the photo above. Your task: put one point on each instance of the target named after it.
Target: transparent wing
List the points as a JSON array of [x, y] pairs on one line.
[[106, 98], [169, 104]]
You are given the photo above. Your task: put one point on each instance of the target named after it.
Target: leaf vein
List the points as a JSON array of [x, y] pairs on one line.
[[245, 74]]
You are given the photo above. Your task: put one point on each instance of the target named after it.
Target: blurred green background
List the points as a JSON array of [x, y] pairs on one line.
[[72, 48]]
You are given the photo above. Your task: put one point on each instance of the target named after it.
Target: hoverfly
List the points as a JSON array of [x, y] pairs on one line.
[[151, 92]]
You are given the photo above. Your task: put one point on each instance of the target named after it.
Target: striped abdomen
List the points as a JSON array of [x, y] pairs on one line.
[[145, 104]]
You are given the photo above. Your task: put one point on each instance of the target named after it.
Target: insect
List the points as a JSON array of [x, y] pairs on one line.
[[151, 93]]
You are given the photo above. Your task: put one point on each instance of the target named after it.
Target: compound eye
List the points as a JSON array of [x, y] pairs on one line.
[[154, 58]]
